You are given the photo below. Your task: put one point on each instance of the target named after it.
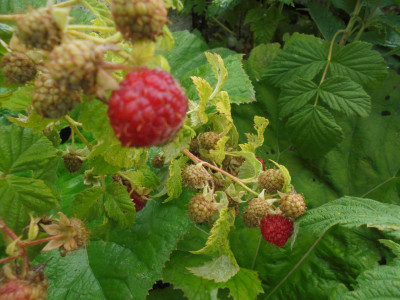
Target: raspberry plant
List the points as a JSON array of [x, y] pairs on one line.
[[237, 168]]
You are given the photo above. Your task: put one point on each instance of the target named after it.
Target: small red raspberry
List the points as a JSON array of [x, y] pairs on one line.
[[201, 209], [271, 180], [276, 229], [148, 109], [255, 211], [140, 203], [293, 205]]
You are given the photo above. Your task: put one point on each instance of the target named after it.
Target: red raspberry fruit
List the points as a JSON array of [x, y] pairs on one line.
[[148, 108], [139, 202], [276, 229]]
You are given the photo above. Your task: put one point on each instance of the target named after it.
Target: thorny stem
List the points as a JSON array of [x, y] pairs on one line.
[[197, 160], [10, 17], [327, 64], [350, 25], [91, 27], [4, 260], [44, 240], [7, 230], [66, 3], [75, 129]]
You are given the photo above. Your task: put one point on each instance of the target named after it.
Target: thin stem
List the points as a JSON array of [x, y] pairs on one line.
[[91, 27], [258, 249], [66, 3], [350, 25], [5, 45], [197, 160], [75, 129], [366, 22], [10, 17], [44, 240], [327, 64], [223, 26], [393, 51], [87, 36], [4, 260], [295, 267], [7, 230]]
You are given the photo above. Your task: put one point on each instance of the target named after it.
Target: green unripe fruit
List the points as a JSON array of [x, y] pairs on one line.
[[293, 205], [200, 209], [272, 180], [18, 67], [209, 140], [255, 211]]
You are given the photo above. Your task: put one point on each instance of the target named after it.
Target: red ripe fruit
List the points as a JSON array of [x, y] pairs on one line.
[[276, 229], [148, 109], [139, 202]]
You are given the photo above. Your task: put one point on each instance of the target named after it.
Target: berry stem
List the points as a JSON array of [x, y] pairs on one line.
[[4, 260], [91, 27], [256, 254], [66, 3], [86, 36], [7, 230], [10, 17], [44, 240], [197, 160], [75, 129]]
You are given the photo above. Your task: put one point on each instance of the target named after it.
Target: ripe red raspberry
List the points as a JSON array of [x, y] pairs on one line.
[[139, 202], [276, 229], [148, 109]]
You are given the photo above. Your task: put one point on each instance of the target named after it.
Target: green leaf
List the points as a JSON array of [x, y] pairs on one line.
[[31, 152], [255, 141], [351, 212], [245, 285], [218, 68], [16, 6], [173, 149], [357, 61], [204, 90], [174, 182], [265, 27], [328, 24], [189, 60], [314, 130], [100, 166], [118, 205], [345, 96], [378, 283], [302, 59], [126, 266], [219, 269], [34, 120], [218, 242], [108, 145], [251, 168], [143, 177], [100, 10], [88, 204], [260, 59], [20, 99], [20, 195], [295, 95]]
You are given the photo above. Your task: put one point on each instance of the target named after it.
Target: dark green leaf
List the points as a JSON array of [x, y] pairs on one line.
[[32, 151], [21, 195], [118, 205], [328, 24], [314, 130], [295, 95], [89, 203]]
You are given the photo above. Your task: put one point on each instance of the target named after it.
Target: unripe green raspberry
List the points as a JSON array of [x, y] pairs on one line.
[[272, 180], [209, 140], [50, 101], [139, 19], [73, 163], [18, 67], [158, 161], [195, 176], [200, 209], [74, 65], [37, 29], [293, 205], [255, 211]]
